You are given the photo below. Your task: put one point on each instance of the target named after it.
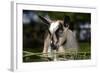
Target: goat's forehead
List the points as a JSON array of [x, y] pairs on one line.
[[54, 26]]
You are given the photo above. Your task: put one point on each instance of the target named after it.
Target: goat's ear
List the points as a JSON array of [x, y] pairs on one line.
[[66, 21], [44, 20]]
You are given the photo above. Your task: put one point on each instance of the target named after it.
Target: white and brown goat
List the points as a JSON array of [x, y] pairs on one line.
[[60, 38]]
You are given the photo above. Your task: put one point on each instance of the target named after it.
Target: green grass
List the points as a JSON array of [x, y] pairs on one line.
[[34, 50], [83, 47]]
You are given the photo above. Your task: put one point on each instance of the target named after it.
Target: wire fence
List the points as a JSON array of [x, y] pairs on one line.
[[32, 57]]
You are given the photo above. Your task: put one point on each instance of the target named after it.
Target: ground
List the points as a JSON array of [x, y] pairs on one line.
[[83, 54]]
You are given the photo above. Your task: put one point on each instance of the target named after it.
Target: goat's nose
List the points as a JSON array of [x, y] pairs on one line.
[[54, 47]]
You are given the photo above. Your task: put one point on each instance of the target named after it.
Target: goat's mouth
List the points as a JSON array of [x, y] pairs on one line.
[[54, 47]]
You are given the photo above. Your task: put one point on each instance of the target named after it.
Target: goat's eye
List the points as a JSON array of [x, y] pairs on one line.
[[59, 32]]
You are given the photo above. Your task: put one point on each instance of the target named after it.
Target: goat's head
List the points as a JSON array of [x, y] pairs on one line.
[[56, 29]]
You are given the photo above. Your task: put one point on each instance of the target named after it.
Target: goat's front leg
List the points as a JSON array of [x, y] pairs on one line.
[[46, 45]]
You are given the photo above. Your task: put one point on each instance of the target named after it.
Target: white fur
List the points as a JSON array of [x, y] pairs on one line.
[[54, 26]]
